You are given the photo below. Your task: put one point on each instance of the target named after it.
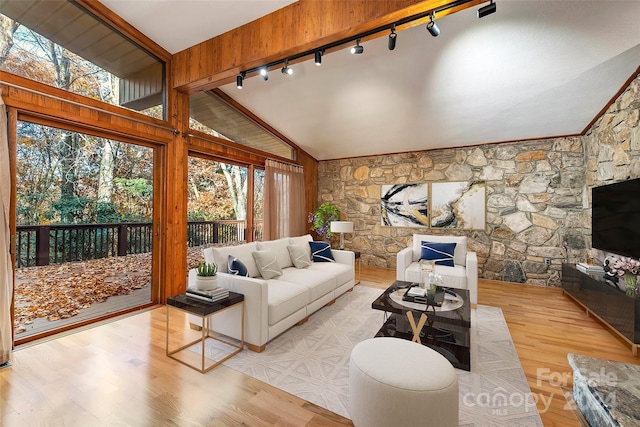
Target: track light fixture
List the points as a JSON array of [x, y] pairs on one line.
[[357, 49], [432, 27], [392, 38], [487, 10], [286, 69]]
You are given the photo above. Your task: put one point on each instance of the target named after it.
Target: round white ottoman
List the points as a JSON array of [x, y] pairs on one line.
[[400, 383]]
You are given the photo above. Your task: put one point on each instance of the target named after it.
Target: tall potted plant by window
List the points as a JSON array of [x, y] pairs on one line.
[[321, 219]]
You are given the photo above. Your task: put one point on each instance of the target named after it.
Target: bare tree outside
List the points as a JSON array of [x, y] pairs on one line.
[[69, 179], [237, 187], [7, 28]]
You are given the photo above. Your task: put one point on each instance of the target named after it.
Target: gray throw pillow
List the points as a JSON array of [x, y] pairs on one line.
[[299, 256], [267, 263]]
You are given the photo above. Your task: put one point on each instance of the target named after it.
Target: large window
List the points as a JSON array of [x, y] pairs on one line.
[[58, 43], [84, 208], [212, 115], [223, 206], [217, 202]]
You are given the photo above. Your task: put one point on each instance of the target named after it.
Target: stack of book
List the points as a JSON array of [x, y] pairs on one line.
[[214, 295], [416, 291], [589, 268]]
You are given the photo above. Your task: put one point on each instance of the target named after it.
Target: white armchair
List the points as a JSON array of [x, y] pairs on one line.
[[463, 275]]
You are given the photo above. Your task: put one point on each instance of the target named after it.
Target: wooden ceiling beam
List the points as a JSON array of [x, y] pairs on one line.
[[300, 27]]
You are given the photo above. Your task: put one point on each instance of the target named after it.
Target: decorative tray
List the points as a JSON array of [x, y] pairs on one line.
[[415, 294]]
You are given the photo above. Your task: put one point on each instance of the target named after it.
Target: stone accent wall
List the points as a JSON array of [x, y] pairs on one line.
[[613, 142], [537, 194]]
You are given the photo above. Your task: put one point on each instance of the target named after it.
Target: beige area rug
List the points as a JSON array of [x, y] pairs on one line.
[[312, 362]]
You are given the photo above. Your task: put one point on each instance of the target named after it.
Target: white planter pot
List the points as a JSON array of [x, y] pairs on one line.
[[206, 283]]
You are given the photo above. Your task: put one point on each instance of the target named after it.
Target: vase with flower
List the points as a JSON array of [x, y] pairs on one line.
[[321, 219], [628, 269]]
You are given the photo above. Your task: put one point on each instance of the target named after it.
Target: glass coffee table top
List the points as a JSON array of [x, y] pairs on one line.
[[455, 310], [445, 329]]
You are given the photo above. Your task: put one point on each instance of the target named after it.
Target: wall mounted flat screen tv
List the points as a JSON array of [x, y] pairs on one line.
[[615, 218]]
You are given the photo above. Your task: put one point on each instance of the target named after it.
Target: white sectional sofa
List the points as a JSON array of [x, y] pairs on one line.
[[463, 275], [272, 306]]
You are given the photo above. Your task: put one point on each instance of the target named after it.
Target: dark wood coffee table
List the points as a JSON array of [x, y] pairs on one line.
[[445, 329]]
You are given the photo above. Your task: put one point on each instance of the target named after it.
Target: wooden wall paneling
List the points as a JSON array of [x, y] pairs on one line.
[[299, 27], [174, 252], [175, 226], [310, 181]]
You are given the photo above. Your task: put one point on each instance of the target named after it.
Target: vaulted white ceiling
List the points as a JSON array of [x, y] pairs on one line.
[[534, 69], [178, 24]]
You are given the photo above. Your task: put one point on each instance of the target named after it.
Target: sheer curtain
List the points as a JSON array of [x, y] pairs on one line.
[[6, 270], [284, 200]]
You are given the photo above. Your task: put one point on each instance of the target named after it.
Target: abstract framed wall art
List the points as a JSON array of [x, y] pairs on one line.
[[459, 205], [404, 205]]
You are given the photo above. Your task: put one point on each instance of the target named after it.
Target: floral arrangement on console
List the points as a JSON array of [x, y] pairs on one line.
[[628, 269], [321, 219]]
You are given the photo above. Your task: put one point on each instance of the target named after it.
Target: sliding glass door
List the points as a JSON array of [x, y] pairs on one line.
[[84, 219]]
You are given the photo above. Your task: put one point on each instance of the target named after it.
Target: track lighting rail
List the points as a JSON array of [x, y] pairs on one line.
[[319, 52]]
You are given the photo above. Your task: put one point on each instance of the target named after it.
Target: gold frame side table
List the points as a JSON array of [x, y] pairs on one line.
[[205, 310]]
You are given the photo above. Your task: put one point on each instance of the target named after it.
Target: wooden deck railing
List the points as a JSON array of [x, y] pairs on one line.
[[38, 245]]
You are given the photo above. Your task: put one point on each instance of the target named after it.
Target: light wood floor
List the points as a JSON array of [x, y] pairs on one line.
[[117, 373]]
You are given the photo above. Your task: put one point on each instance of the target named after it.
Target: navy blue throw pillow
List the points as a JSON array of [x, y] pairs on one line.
[[321, 252], [236, 267], [441, 253]]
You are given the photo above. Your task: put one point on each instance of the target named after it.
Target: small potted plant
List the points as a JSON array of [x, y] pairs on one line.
[[207, 280]]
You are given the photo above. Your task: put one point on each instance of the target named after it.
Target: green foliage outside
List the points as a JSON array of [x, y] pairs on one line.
[[71, 178]]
